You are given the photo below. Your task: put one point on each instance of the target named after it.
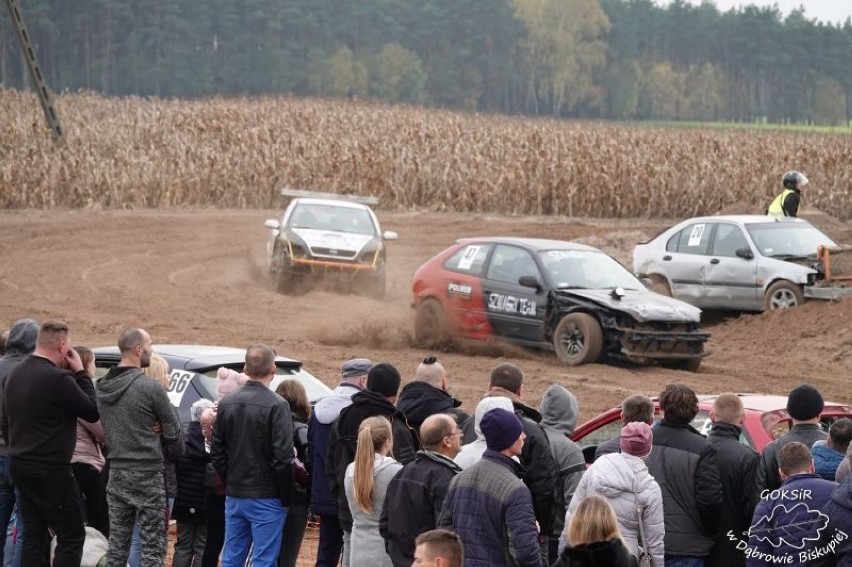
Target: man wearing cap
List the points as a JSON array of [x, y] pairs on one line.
[[489, 506], [804, 406], [684, 464], [353, 378], [623, 479], [378, 398], [737, 468]]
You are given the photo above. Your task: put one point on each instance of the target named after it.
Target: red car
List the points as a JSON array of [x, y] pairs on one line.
[[549, 294], [765, 419]]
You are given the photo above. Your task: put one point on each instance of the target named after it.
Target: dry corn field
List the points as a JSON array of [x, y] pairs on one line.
[[134, 152]]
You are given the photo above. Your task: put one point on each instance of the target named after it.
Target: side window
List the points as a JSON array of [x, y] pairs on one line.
[[695, 239], [509, 264], [728, 239], [469, 259], [601, 434]]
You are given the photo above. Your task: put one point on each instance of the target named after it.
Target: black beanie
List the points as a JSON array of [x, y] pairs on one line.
[[804, 403], [384, 379]]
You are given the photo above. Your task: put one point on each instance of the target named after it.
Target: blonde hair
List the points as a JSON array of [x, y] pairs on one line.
[[593, 521], [373, 434], [158, 369], [728, 408]]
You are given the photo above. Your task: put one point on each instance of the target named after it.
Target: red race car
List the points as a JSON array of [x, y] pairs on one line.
[[765, 419], [549, 294]]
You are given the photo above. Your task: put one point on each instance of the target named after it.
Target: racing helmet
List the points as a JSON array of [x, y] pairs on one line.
[[794, 180]]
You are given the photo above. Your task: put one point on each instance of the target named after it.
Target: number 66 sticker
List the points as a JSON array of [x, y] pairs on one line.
[[178, 383]]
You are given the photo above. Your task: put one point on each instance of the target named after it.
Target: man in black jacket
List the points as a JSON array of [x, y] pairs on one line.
[[416, 494], [507, 381], [45, 394], [253, 453], [737, 468], [428, 395], [804, 405], [378, 399], [684, 464]]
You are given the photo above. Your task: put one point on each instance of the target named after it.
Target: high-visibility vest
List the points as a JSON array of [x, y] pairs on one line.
[[776, 208]]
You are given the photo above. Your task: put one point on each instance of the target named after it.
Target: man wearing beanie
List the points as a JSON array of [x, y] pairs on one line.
[[353, 378], [623, 479], [378, 398], [804, 406], [488, 505]]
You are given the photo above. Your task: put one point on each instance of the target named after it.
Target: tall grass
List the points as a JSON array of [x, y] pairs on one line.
[[134, 152]]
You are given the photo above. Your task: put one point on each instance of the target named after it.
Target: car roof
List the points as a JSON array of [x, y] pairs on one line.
[[329, 202], [535, 244], [200, 356], [746, 219]]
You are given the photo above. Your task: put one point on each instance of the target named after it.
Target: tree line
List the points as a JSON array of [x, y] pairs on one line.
[[613, 59]]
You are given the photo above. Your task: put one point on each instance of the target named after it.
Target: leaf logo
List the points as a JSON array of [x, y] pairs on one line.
[[792, 527]]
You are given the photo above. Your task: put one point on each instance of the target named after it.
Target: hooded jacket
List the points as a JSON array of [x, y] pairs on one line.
[[473, 451], [611, 553], [368, 547], [737, 468], [130, 404], [20, 344], [826, 460], [325, 412], [419, 400], [625, 482], [832, 547], [413, 504], [559, 409], [344, 438]]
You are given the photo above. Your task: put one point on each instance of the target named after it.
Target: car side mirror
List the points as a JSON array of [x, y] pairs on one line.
[[389, 235], [272, 223], [529, 281], [744, 253]]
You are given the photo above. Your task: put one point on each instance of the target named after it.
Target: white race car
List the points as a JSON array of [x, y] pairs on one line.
[[335, 239]]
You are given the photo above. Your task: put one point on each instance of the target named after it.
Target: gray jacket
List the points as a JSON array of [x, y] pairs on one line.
[[130, 403], [368, 546], [624, 481], [20, 344], [559, 411]]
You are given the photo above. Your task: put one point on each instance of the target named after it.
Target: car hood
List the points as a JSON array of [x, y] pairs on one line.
[[332, 239], [641, 305]]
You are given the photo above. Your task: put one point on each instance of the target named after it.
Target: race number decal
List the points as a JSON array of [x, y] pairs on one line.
[[178, 384], [469, 256], [695, 235]]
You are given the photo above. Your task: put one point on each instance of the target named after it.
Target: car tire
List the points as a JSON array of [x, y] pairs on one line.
[[783, 294], [280, 278], [430, 323], [660, 285], [578, 339], [378, 283]]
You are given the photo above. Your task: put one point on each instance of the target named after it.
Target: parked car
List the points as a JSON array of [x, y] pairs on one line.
[[742, 262], [550, 294], [766, 419], [194, 367], [327, 237]]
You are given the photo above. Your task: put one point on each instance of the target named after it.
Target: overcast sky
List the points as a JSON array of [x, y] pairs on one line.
[[834, 11]]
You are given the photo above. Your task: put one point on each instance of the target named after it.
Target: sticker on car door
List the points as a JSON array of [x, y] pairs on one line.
[[695, 235], [179, 381]]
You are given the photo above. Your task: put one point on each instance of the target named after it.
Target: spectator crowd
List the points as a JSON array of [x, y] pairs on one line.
[[93, 471]]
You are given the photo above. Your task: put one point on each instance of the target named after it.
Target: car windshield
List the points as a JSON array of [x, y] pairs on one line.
[[586, 269], [788, 240], [330, 217]]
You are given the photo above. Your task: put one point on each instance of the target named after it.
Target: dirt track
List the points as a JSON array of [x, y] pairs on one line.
[[198, 277]]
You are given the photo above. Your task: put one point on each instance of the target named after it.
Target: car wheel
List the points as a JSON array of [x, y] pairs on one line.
[[378, 283], [660, 285], [578, 339], [280, 276], [430, 323], [783, 294]]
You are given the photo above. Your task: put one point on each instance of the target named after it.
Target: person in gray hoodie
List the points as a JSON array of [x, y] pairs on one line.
[[138, 420], [472, 452], [20, 343], [559, 410]]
